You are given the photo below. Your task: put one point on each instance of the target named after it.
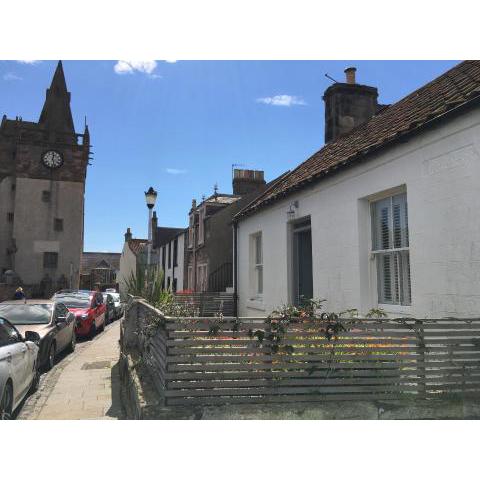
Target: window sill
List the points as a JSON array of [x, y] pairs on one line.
[[395, 310]]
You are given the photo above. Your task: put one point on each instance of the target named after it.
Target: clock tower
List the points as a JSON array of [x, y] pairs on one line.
[[43, 168]]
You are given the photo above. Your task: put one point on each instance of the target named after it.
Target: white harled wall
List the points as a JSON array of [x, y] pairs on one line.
[[440, 170]]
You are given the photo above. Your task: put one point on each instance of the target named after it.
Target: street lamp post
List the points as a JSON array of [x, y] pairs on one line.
[[150, 198]]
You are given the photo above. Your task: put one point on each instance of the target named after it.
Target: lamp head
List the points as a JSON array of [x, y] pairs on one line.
[[150, 197]]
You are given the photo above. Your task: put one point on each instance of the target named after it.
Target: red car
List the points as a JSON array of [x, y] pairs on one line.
[[89, 309]]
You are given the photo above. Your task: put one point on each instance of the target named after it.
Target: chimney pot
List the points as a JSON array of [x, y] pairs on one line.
[[350, 75]]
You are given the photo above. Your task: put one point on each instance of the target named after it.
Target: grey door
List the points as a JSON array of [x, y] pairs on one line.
[[302, 262]]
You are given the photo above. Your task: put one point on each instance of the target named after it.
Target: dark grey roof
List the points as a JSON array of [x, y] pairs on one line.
[[91, 260], [165, 235]]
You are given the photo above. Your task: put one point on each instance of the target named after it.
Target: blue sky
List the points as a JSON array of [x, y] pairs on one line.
[[179, 126]]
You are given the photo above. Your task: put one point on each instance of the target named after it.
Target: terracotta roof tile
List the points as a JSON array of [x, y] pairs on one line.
[[136, 245], [454, 88]]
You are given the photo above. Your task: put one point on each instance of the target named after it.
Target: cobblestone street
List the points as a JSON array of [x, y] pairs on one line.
[[83, 385]]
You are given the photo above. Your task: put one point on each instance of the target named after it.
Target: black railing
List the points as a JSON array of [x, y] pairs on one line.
[[221, 278]]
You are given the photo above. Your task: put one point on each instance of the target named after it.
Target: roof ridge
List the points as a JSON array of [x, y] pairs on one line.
[[433, 100]]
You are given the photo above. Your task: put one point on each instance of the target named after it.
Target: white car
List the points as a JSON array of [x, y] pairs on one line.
[[117, 302], [19, 374]]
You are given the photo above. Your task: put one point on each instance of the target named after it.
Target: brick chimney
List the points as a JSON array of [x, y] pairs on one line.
[[247, 181], [348, 105]]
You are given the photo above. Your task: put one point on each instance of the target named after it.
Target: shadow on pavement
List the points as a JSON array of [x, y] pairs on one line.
[[116, 410]]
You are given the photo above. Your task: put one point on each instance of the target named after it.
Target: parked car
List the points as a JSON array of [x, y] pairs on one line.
[[52, 321], [110, 313], [89, 309], [19, 374], [118, 304]]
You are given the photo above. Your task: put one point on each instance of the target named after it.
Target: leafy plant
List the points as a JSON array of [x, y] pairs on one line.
[[376, 313], [148, 284]]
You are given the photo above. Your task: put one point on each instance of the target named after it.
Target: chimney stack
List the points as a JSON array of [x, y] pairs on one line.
[[348, 105], [350, 75], [247, 181]]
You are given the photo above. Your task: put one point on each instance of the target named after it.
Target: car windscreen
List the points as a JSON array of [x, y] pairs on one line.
[[74, 301], [27, 314]]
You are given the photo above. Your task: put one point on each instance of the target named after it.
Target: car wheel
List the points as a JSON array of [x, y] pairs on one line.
[[6, 403], [35, 381], [51, 356], [93, 330], [73, 343]]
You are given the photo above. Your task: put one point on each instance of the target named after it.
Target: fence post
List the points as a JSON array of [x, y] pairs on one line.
[[421, 371]]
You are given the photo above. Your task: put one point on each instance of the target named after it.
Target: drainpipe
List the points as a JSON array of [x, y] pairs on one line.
[[173, 263], [235, 263]]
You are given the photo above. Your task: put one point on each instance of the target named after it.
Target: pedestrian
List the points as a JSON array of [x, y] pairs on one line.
[[19, 294]]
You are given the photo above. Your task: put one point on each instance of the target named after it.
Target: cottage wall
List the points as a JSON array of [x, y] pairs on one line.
[[440, 169]]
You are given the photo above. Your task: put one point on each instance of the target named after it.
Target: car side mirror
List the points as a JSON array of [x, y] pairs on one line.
[[32, 337]]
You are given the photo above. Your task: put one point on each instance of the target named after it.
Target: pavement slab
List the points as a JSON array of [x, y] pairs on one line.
[[83, 385]]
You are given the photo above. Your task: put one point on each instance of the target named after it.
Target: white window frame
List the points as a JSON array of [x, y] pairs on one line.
[[202, 277], [201, 226], [257, 271], [190, 278], [398, 307]]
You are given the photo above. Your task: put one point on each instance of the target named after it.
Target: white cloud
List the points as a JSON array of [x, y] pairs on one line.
[[171, 61], [132, 66], [175, 171], [9, 76], [282, 100], [30, 62]]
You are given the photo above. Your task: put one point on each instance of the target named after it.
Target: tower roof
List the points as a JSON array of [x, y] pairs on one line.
[[56, 114]]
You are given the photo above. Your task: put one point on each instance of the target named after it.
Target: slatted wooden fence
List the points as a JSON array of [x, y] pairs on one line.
[[195, 365]]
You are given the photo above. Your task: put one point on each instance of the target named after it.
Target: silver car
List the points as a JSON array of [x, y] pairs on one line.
[[118, 304], [19, 374]]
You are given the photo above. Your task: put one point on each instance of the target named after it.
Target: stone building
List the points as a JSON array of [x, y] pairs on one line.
[[209, 239], [43, 168], [168, 244], [132, 258], [99, 268]]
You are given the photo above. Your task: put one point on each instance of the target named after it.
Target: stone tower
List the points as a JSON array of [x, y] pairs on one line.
[[43, 168]]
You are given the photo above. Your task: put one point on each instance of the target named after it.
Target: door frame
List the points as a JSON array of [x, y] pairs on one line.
[[296, 226]]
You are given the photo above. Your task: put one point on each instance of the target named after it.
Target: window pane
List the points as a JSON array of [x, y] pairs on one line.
[[400, 221], [384, 278], [258, 249], [381, 224], [404, 262], [393, 278]]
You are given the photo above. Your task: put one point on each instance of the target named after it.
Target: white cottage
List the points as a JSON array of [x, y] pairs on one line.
[[385, 215]]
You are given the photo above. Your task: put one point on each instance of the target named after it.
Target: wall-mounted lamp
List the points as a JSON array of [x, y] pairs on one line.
[[292, 210]]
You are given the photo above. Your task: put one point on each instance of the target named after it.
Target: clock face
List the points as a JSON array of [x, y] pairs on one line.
[[52, 159]]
